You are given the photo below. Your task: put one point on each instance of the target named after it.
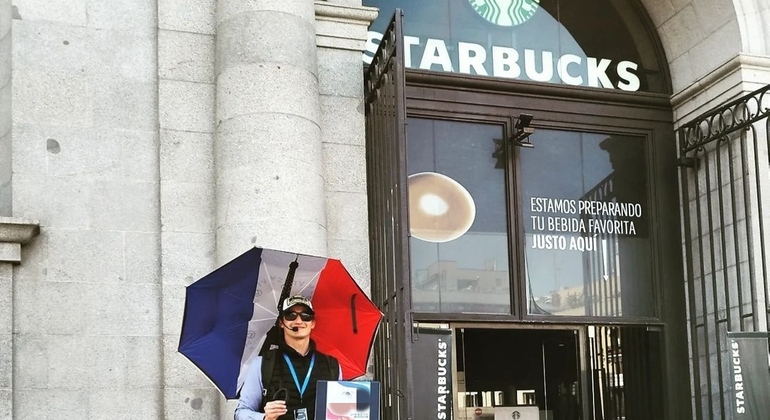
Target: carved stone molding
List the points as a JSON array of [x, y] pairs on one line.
[[15, 232], [342, 27]]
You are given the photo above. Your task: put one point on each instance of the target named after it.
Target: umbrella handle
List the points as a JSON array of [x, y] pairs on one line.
[[353, 313]]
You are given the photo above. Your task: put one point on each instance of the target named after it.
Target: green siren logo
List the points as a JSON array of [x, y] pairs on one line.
[[505, 12]]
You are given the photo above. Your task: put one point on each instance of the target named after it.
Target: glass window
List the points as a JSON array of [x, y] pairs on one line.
[[592, 43], [586, 220], [457, 218]]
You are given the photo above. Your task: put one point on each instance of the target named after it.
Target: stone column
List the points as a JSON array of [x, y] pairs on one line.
[[5, 107], [14, 233], [270, 185]]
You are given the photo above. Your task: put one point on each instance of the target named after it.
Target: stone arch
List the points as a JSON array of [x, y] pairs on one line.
[[705, 40]]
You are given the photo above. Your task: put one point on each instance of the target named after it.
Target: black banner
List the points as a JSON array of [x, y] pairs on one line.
[[432, 373], [749, 369]]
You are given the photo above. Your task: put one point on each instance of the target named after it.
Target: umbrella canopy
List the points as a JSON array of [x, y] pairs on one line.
[[229, 312]]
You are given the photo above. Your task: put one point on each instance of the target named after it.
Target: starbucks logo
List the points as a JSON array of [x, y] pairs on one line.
[[505, 12]]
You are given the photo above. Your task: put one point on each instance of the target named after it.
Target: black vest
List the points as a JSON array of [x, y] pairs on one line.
[[282, 378]]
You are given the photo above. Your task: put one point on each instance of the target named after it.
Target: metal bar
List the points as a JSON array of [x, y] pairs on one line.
[[767, 286], [747, 213], [761, 220], [723, 227], [714, 291], [699, 232], [737, 242]]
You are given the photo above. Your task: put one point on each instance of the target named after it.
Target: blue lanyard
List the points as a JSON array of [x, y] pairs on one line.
[[294, 374]]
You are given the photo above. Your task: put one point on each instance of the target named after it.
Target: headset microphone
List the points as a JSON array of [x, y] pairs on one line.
[[295, 329]]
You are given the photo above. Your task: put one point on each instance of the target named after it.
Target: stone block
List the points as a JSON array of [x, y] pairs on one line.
[[73, 12], [270, 143], [142, 257], [346, 215], [186, 106], [282, 233], [267, 88], [6, 94], [59, 98], [52, 46], [125, 403], [173, 308], [122, 103], [30, 197], [714, 50], [30, 144], [187, 207], [354, 254], [280, 194], [659, 10], [136, 16], [5, 58], [61, 404], [192, 403], [681, 76], [187, 157], [715, 16], [5, 17], [345, 168], [6, 404], [180, 372], [128, 309], [121, 55], [139, 153], [10, 252], [342, 120], [6, 174], [303, 9], [260, 38], [186, 56], [71, 360], [31, 361], [680, 33], [339, 73], [123, 362], [198, 16], [52, 308], [124, 206], [187, 257], [6, 294], [6, 359]]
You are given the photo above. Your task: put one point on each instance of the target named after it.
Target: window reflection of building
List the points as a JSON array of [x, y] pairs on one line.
[[611, 277], [446, 286]]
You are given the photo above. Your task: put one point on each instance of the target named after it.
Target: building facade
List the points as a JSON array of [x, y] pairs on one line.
[[145, 143]]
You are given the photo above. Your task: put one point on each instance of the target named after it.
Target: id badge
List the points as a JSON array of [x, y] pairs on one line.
[[300, 414]]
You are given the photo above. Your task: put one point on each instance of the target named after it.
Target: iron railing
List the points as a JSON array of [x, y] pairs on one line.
[[723, 156], [388, 224]]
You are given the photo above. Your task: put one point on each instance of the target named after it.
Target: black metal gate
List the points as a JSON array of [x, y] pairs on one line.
[[723, 156], [388, 223]]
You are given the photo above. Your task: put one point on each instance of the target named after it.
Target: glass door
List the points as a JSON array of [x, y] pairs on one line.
[[524, 374]]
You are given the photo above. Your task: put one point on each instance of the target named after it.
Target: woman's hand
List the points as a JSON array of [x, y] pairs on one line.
[[275, 409]]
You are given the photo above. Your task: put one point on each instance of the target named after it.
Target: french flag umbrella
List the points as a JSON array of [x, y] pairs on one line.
[[229, 312]]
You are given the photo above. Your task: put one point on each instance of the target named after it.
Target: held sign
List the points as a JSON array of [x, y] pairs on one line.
[[749, 368]]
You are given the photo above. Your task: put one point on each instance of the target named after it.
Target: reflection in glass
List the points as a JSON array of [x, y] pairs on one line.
[[459, 243], [586, 225]]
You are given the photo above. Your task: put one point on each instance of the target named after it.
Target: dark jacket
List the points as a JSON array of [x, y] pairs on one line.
[[282, 378]]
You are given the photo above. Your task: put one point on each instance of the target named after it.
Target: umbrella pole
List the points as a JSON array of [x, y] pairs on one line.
[[353, 313]]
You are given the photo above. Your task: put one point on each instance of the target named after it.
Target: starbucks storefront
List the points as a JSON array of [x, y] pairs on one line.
[[524, 219]]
